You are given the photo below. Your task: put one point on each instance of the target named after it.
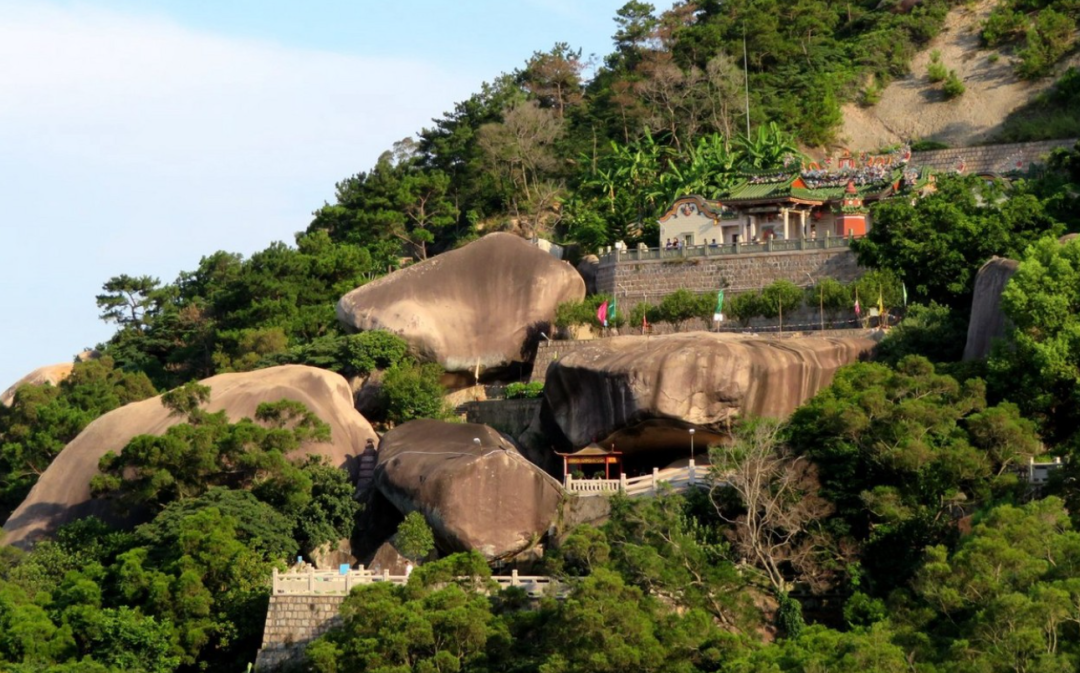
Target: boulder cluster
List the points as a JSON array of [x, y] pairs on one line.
[[483, 307]]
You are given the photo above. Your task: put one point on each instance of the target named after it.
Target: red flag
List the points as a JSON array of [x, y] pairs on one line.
[[601, 314], [857, 307], [644, 323]]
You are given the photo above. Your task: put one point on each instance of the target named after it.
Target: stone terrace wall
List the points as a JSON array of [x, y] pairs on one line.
[[507, 416], [550, 351], [291, 623], [655, 279]]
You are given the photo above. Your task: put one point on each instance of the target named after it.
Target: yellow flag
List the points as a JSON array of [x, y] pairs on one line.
[[880, 303]]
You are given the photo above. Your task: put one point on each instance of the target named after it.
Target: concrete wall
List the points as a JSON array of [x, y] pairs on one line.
[[655, 279], [292, 622]]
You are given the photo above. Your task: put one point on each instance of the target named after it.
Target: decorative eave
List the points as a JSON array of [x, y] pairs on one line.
[[706, 207]]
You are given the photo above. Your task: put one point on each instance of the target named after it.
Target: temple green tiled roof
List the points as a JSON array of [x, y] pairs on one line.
[[784, 188], [748, 192]]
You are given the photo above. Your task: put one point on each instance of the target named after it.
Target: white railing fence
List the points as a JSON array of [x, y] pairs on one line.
[[678, 478], [311, 582]]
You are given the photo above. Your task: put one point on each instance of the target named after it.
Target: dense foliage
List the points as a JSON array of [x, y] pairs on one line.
[[42, 419], [937, 244]]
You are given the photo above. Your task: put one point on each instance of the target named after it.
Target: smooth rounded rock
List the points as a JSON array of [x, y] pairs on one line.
[[480, 495], [987, 319], [648, 391], [62, 494], [482, 305]]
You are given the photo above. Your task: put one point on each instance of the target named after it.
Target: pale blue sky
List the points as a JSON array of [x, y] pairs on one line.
[[138, 135]]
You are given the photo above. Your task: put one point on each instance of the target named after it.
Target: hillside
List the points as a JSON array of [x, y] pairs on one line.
[[912, 107]]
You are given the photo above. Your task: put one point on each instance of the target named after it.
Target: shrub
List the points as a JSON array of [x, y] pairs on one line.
[[1003, 25], [1048, 40], [936, 71], [530, 390], [954, 86], [578, 313], [410, 391], [831, 295], [743, 307], [927, 145], [414, 539], [780, 297], [682, 305], [368, 351]]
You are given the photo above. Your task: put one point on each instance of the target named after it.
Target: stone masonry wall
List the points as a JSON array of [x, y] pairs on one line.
[[292, 622], [654, 279], [508, 416]]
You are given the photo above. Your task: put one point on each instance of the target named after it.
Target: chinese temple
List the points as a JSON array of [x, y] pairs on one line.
[[790, 204]]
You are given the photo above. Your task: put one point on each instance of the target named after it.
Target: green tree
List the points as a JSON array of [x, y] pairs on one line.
[[937, 244], [899, 449], [683, 305], [829, 296], [744, 307], [208, 451], [44, 419], [779, 297], [418, 627], [1040, 367], [411, 391], [414, 538]]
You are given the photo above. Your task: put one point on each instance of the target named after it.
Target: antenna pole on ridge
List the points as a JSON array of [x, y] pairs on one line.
[[746, 81]]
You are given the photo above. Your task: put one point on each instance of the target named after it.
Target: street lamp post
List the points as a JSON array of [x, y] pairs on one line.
[[692, 470]]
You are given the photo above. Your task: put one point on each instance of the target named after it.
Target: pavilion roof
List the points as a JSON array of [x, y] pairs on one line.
[[591, 450]]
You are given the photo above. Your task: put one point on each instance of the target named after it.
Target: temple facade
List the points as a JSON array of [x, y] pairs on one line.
[[791, 204]]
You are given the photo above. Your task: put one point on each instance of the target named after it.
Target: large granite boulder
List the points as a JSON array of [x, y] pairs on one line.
[[987, 319], [589, 268], [484, 304], [644, 393], [471, 484], [62, 494], [52, 374]]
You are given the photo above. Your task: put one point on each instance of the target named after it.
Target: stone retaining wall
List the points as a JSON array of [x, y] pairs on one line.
[[511, 417], [636, 281], [292, 622]]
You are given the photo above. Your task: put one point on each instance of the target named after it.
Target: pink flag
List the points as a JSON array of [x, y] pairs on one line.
[[601, 314]]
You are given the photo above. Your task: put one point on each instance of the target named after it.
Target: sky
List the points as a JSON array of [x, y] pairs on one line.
[[139, 136]]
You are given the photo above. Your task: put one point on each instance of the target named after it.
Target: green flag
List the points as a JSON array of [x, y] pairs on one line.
[[718, 315], [903, 286], [611, 312]]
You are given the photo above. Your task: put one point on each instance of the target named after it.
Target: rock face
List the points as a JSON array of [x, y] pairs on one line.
[[987, 319], [588, 267], [53, 374], [485, 303], [62, 494], [649, 391], [486, 497]]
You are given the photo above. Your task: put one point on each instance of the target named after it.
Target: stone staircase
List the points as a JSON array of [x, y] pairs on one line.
[[366, 474]]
